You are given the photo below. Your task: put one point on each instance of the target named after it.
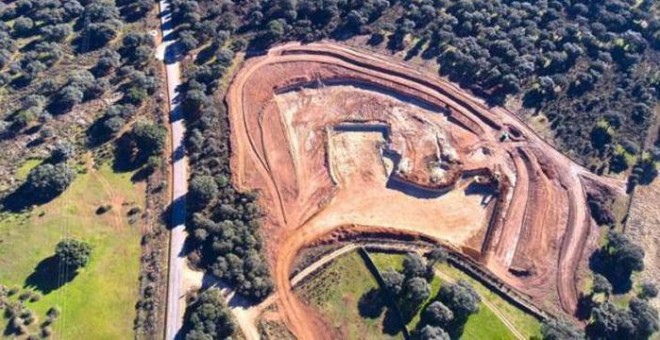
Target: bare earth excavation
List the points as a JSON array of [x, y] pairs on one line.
[[339, 142]]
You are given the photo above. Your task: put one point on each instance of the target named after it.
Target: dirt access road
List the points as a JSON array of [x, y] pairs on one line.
[[339, 141]]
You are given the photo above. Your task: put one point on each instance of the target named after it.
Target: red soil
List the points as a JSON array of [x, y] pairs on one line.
[[334, 138]]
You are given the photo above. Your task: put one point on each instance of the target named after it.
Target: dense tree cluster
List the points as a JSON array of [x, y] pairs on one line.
[[73, 253], [583, 64], [553, 329], [50, 21], [600, 206], [224, 222], [207, 317], [405, 291], [450, 309], [575, 60], [617, 260], [639, 321]]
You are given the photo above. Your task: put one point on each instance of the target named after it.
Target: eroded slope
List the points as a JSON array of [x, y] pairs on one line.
[[338, 140]]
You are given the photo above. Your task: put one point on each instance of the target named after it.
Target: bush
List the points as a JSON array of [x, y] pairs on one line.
[[23, 26], [149, 138], [57, 33], [73, 253], [648, 290], [202, 190], [600, 208], [100, 34], [108, 61], [437, 314], [461, 298], [47, 181], [433, 333], [62, 152], [207, 317], [69, 96], [552, 329], [617, 260], [53, 312]]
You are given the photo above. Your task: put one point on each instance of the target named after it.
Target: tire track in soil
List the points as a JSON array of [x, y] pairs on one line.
[[296, 317]]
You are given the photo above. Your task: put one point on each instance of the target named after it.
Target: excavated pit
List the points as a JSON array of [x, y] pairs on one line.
[[334, 138]]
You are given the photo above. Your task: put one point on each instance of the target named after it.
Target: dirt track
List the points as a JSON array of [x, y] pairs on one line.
[[418, 156]]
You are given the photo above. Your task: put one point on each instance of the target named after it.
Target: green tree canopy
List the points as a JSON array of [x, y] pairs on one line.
[[202, 190], [207, 317], [149, 138], [46, 181], [73, 253], [460, 297], [560, 330]]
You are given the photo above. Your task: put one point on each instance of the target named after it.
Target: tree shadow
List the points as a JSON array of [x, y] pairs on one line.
[[620, 278], [371, 304], [96, 135], [10, 329], [456, 327], [392, 323], [376, 39], [584, 307], [48, 276], [22, 199], [416, 50], [205, 55], [126, 159], [175, 213], [142, 174]]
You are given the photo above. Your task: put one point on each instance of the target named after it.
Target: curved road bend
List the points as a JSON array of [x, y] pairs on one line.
[[175, 296]]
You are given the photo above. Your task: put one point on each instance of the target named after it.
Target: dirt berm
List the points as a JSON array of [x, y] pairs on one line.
[[333, 138]]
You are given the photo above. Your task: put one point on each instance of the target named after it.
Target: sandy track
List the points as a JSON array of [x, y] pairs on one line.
[[284, 168]]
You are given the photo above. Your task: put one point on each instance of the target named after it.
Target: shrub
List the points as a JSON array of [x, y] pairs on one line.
[[202, 190], [47, 181], [62, 152], [207, 317], [73, 253], [53, 312], [437, 314], [648, 290], [23, 26], [552, 329], [461, 298], [433, 333], [148, 137]]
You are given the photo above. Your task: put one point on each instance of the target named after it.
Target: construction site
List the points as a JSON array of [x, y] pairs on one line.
[[340, 143]]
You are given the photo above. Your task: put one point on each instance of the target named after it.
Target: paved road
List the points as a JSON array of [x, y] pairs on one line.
[[175, 294]]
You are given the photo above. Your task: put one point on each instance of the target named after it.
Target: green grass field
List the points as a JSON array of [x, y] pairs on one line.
[[525, 323], [335, 292], [341, 284], [99, 303]]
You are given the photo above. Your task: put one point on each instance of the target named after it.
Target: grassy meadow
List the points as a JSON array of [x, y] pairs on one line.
[[336, 289], [99, 302]]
